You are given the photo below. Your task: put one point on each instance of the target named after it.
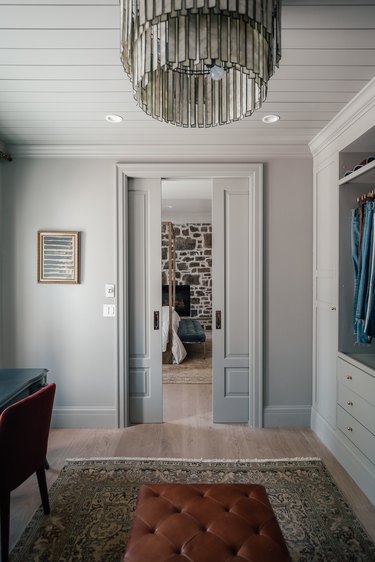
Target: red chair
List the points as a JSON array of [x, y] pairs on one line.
[[24, 429]]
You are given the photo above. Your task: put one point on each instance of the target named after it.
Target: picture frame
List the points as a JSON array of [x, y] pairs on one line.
[[58, 256]]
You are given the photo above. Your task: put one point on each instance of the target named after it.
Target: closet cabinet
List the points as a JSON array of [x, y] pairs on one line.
[[343, 412]]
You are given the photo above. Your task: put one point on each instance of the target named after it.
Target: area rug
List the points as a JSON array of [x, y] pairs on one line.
[[195, 369], [92, 503]]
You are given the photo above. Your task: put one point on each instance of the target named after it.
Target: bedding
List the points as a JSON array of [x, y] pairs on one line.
[[178, 350]]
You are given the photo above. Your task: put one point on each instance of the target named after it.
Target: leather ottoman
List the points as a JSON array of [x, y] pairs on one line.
[[205, 523]]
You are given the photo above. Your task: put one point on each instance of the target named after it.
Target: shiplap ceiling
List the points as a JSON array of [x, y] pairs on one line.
[[60, 74]]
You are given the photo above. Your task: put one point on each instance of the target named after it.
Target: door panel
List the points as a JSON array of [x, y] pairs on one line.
[[230, 361], [144, 281]]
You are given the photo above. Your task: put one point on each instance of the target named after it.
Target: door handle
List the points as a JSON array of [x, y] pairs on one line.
[[218, 319], [156, 320]]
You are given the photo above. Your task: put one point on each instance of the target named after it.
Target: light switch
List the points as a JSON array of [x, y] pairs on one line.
[[109, 310], [110, 290]]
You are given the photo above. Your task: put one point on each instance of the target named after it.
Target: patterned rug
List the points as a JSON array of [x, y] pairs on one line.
[[195, 368], [92, 503]]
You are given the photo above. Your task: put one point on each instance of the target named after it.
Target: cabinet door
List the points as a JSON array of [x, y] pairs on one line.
[[325, 289]]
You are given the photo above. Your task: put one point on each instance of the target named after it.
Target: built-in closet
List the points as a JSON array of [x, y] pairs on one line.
[[356, 360], [343, 413]]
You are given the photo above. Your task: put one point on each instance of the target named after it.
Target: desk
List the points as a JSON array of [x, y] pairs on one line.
[[19, 383]]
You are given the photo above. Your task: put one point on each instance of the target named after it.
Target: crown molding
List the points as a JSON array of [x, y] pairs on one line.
[[161, 153], [349, 114]]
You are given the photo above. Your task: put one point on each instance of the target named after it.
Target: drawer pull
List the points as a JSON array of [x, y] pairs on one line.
[[349, 377], [350, 403], [349, 428]]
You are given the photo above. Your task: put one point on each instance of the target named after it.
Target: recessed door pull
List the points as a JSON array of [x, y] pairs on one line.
[[156, 320], [218, 319]]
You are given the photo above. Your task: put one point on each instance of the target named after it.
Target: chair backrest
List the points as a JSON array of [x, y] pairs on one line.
[[24, 429]]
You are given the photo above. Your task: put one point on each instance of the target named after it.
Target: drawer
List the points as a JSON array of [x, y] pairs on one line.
[[356, 406], [359, 381], [358, 435]]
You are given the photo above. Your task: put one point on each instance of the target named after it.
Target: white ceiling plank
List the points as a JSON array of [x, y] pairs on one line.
[[327, 57], [124, 101], [60, 39], [31, 119], [117, 72], [135, 135], [59, 17], [327, 17], [331, 107], [92, 86], [62, 72], [43, 97], [308, 113], [310, 97], [50, 108], [328, 39], [91, 111], [19, 126], [94, 57], [277, 85], [319, 72], [319, 3], [65, 85], [59, 2], [110, 39], [59, 57]]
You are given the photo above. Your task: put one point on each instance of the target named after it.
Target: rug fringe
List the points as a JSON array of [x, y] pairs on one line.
[[191, 460]]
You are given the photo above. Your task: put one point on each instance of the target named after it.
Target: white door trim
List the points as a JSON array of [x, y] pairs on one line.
[[254, 172]]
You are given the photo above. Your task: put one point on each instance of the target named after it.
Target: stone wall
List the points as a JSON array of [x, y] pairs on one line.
[[193, 246]]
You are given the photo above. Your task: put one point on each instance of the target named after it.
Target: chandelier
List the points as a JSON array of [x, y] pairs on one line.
[[200, 63]]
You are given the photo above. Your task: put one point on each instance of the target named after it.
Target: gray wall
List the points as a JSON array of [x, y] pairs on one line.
[[61, 327], [288, 229]]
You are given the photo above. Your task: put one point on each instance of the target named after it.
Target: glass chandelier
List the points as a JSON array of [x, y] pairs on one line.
[[200, 63]]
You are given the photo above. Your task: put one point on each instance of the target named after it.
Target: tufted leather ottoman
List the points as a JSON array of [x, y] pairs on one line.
[[204, 523]]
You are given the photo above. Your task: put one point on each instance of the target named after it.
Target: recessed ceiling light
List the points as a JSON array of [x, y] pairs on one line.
[[170, 206], [113, 118], [270, 119]]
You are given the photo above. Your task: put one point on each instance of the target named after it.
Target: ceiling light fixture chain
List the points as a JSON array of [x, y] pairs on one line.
[[200, 63]]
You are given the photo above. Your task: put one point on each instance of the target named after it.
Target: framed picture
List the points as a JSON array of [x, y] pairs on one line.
[[58, 257]]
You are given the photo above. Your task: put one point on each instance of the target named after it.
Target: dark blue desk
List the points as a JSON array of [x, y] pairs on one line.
[[19, 383]]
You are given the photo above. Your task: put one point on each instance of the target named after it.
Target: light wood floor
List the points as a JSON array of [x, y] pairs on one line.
[[186, 433]]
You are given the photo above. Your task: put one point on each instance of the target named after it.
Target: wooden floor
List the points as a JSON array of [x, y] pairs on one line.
[[187, 432]]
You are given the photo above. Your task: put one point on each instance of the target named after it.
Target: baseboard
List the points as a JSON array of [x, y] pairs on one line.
[[352, 460], [98, 418], [287, 416]]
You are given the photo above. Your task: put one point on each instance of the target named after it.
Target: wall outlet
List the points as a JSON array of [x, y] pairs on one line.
[[109, 310]]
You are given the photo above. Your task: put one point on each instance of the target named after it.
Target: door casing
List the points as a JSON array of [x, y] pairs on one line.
[[254, 173]]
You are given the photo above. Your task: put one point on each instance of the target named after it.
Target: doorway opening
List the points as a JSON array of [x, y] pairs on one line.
[[186, 278], [237, 294]]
